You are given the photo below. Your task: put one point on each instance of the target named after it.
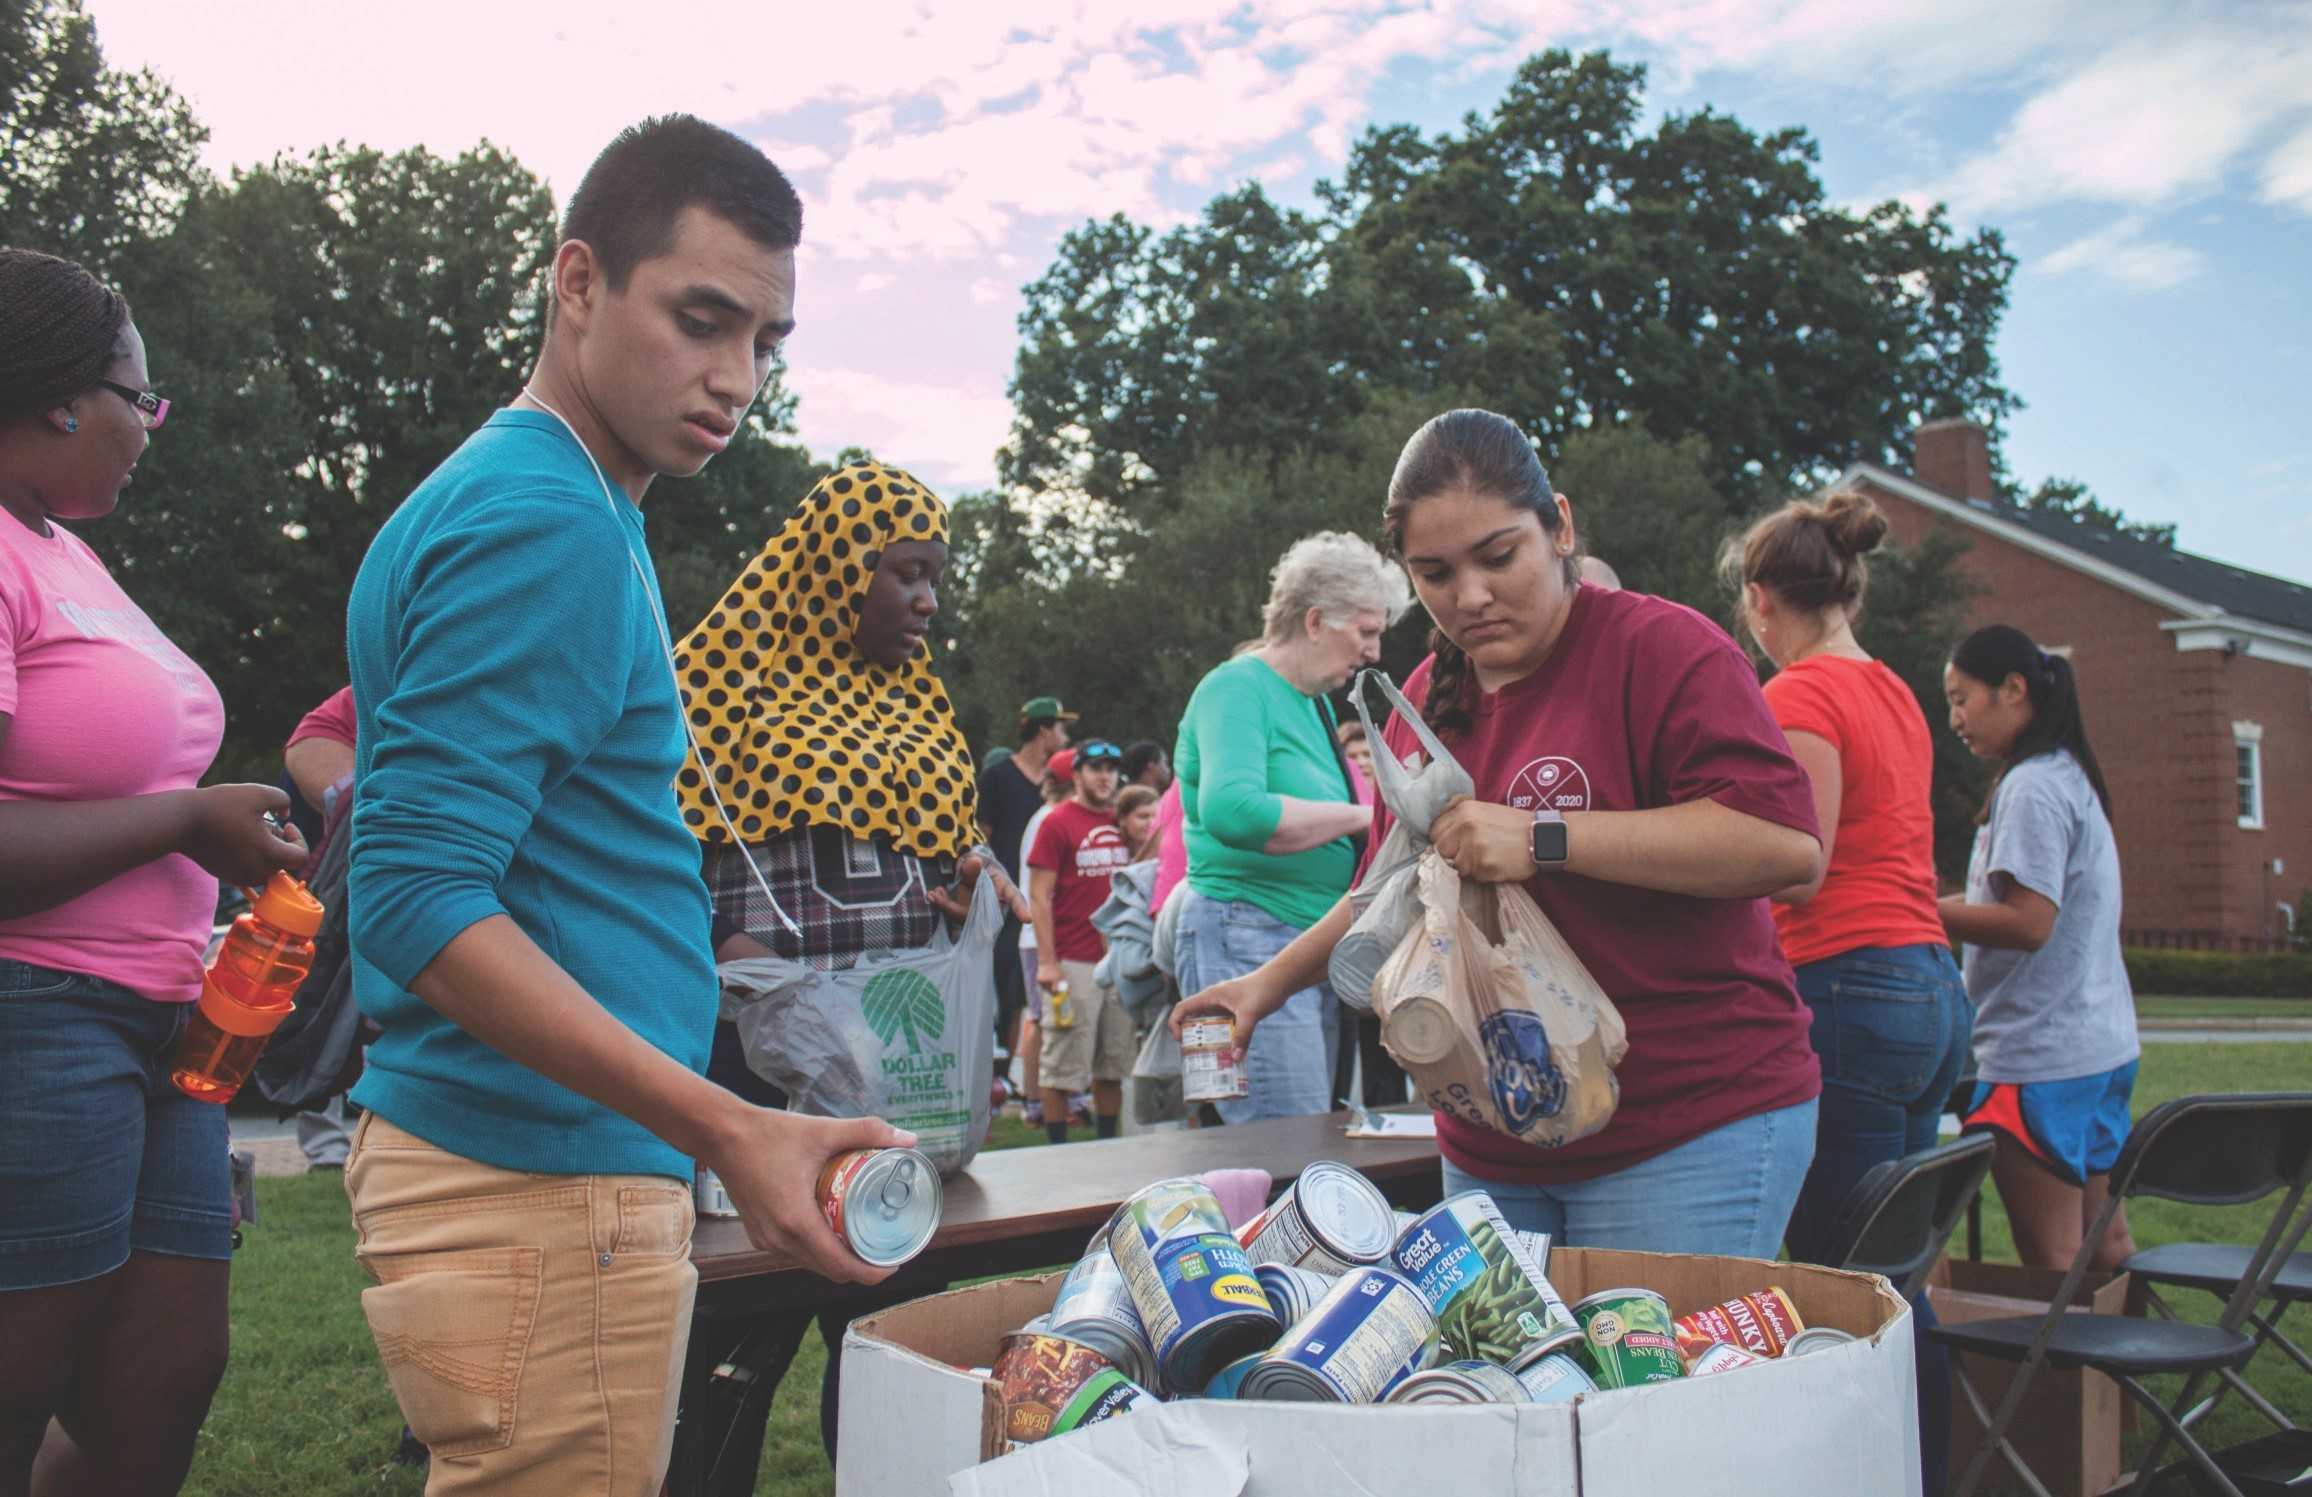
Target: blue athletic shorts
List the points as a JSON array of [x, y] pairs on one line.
[[2074, 1127], [100, 1156]]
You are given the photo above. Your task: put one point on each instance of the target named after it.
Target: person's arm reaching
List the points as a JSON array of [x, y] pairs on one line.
[[1253, 997]]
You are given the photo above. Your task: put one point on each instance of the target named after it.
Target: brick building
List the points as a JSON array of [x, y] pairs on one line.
[[2196, 678]]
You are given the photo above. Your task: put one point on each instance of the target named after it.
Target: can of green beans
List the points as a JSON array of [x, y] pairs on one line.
[[1631, 1342], [1492, 1300]]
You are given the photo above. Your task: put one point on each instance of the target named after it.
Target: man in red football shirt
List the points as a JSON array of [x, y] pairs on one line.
[[1088, 1039]]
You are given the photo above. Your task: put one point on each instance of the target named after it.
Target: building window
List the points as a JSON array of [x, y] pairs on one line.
[[2248, 773]]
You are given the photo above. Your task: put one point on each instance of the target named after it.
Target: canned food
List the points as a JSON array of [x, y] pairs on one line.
[[1403, 1220], [1630, 1340], [1818, 1338], [1228, 1382], [1104, 1395], [1095, 1307], [883, 1202], [1370, 1333], [1492, 1302], [708, 1195], [1460, 1382], [1209, 1071], [1039, 1376], [1724, 1356], [1292, 1292], [1557, 1371], [1331, 1219], [1763, 1323], [1190, 1282]]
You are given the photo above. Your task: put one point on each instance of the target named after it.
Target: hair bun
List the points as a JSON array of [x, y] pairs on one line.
[[1854, 522]]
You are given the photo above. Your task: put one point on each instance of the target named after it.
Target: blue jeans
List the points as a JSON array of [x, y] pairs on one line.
[[1288, 1072], [100, 1155], [1891, 1025], [1727, 1192]]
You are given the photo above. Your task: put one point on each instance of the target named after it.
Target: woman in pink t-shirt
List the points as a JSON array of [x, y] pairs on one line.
[[115, 1211], [1630, 776]]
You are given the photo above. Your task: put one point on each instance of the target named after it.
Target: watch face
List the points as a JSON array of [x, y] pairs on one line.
[[1548, 843]]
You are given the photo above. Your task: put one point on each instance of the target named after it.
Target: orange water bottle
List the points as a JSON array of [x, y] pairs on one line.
[[247, 991]]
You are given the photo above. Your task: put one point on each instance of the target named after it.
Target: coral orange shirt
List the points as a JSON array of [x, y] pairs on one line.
[[1880, 890]]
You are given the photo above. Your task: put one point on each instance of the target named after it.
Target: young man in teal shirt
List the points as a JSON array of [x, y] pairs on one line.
[[528, 921]]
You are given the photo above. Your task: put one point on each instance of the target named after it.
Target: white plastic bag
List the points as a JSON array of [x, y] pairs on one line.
[[1495, 1017], [906, 1036], [1387, 903]]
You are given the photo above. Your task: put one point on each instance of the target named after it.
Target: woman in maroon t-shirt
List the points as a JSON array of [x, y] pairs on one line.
[[1641, 724]]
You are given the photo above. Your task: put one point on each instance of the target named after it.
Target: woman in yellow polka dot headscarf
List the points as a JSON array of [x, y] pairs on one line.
[[836, 764]]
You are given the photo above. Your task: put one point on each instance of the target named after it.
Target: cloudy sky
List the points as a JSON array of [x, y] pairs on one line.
[[2151, 164]]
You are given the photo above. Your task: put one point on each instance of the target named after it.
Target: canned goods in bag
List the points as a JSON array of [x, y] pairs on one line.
[[1209, 1071], [1370, 1333], [1460, 1382], [1630, 1340], [883, 1203], [1763, 1323], [1818, 1338], [1491, 1301], [1039, 1376], [708, 1196], [1292, 1292], [1095, 1307], [1331, 1219], [1723, 1356], [1190, 1282]]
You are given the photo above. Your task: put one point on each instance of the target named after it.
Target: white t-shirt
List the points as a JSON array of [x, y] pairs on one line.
[[1028, 840], [2065, 1010]]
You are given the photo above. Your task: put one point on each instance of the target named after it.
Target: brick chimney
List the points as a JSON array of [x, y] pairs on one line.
[[1954, 457]]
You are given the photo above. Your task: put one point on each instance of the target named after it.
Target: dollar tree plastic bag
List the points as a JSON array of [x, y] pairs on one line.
[[1494, 1016], [1387, 903], [906, 1036]]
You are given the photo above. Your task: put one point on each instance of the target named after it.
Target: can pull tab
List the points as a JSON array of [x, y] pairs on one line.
[[898, 1189]]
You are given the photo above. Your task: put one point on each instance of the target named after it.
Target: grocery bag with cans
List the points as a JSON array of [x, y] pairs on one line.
[[1331, 1296]]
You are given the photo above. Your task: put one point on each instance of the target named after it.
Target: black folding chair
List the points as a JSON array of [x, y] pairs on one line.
[[2219, 1268], [1898, 1217], [2202, 1151]]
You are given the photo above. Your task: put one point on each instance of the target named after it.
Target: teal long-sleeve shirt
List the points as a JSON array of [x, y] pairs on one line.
[[518, 740], [1248, 739]]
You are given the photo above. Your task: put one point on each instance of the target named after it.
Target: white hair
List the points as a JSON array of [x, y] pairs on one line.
[[1340, 576]]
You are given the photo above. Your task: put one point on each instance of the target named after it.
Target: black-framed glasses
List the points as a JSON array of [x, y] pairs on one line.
[[151, 409]]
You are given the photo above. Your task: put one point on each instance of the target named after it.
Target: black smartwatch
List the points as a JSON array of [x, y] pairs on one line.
[[1547, 841]]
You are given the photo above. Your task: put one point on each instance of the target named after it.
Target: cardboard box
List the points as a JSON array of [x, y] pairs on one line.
[[1843, 1420], [2068, 1428]]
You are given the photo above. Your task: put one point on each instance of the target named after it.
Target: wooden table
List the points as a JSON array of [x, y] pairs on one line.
[[1014, 1210]]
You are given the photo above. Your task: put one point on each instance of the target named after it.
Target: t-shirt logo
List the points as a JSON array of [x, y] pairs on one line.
[[1101, 853], [1551, 784]]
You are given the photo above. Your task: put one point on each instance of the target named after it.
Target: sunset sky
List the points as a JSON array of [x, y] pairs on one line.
[[2151, 165]]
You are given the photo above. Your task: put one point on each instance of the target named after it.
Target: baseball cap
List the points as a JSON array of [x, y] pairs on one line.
[[1062, 765], [992, 758], [1037, 708], [1100, 750]]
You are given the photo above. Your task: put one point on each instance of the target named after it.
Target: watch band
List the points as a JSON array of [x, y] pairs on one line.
[[1546, 841]]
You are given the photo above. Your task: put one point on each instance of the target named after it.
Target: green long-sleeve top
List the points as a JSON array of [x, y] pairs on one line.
[[1248, 739]]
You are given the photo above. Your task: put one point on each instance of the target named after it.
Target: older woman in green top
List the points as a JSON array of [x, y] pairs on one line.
[[1271, 813]]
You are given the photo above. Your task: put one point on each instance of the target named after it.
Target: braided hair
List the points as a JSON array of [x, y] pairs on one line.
[[1487, 454], [59, 330]]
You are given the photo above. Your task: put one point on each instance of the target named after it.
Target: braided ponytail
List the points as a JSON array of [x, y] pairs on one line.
[[59, 331], [1486, 453]]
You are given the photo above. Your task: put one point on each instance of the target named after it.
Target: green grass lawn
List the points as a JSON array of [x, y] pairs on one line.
[[2156, 1007], [304, 1410]]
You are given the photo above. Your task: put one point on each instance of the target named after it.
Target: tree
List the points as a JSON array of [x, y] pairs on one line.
[[2075, 501], [1693, 281], [98, 160]]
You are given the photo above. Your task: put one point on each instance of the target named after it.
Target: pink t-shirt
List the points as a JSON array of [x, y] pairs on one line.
[[102, 707], [1171, 845], [332, 720]]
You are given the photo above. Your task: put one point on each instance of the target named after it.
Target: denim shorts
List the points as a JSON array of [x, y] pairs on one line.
[[100, 1156]]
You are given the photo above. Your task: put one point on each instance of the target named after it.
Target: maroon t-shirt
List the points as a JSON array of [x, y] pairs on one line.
[[1083, 848], [1646, 703]]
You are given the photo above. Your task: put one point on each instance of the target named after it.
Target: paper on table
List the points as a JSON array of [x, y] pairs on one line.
[[1394, 1125]]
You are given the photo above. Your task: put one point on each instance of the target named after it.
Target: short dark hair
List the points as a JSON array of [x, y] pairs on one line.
[[1030, 727], [1139, 756], [60, 329], [626, 205]]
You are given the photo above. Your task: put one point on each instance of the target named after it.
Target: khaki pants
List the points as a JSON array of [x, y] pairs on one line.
[[532, 1326], [1099, 1046]]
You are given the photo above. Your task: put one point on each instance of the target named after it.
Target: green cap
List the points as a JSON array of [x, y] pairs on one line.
[[1038, 708], [993, 757]]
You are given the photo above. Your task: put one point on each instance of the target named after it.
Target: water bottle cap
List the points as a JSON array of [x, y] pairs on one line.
[[288, 905]]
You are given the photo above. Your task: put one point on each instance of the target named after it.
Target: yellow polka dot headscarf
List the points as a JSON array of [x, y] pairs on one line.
[[796, 726]]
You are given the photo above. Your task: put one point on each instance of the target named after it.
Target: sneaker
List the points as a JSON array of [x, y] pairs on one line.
[[1032, 1113]]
